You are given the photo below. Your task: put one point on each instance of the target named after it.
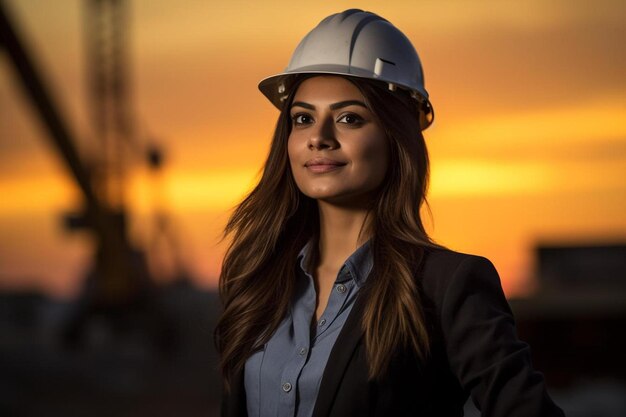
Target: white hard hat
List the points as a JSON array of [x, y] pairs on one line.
[[357, 44]]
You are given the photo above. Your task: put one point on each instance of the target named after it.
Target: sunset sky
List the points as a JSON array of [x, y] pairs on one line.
[[528, 144]]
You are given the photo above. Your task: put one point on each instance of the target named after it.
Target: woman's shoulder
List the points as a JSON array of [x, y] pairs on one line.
[[442, 268], [443, 261]]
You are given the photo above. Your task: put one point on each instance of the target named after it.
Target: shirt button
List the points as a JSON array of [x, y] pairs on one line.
[[322, 322], [286, 387], [302, 351], [341, 288]]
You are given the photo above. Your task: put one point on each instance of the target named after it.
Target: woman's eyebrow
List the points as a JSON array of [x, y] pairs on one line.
[[347, 103], [333, 106], [303, 104]]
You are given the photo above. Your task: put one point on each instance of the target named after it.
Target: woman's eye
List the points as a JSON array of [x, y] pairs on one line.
[[301, 119], [351, 119]]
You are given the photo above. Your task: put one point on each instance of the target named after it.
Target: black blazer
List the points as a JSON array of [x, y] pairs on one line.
[[474, 351]]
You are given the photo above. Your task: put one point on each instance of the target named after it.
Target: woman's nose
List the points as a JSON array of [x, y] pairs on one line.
[[323, 135]]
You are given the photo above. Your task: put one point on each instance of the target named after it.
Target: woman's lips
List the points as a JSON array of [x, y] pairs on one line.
[[321, 165]]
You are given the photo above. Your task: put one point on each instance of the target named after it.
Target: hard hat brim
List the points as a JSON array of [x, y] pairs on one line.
[[271, 86]]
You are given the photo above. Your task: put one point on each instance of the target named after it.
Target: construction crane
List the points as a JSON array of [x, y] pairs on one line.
[[119, 280]]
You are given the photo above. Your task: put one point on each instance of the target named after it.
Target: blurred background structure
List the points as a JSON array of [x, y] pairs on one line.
[[128, 129]]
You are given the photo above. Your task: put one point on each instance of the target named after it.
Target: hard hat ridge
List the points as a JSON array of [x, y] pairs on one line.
[[357, 44]]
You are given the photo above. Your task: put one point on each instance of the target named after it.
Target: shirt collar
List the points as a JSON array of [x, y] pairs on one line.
[[358, 265]]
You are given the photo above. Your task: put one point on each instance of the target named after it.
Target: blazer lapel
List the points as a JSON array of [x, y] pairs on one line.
[[339, 358]]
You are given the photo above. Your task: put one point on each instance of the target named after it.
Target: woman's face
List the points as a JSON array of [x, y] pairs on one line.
[[337, 151]]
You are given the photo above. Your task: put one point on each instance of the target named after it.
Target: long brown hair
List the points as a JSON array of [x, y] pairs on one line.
[[275, 220]]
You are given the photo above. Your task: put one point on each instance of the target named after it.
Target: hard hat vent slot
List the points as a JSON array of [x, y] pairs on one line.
[[383, 66]]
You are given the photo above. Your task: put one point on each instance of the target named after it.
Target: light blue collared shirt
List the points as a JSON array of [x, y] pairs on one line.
[[283, 379]]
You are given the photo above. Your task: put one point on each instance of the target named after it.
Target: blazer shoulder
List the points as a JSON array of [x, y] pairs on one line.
[[443, 256], [439, 267]]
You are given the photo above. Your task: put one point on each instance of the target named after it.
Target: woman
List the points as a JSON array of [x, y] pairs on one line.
[[336, 301]]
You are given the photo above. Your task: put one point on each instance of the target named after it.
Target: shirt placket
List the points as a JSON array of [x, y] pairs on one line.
[[336, 301], [302, 339]]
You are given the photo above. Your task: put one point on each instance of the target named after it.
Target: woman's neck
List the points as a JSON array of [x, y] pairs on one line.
[[342, 231]]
